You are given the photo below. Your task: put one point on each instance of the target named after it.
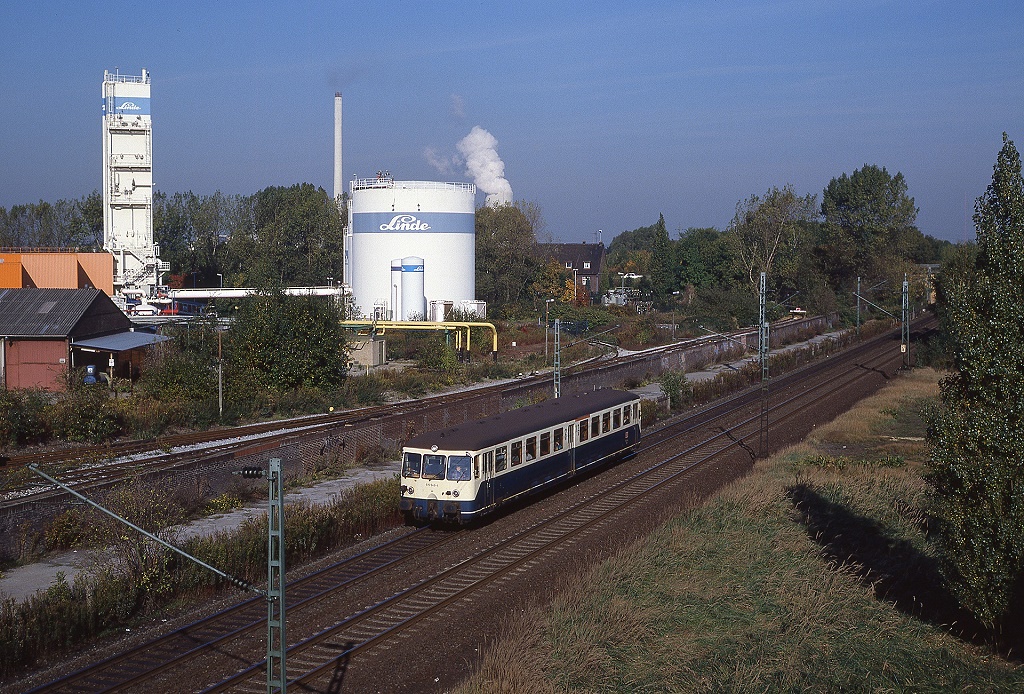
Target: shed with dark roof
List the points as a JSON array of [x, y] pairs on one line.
[[39, 329]]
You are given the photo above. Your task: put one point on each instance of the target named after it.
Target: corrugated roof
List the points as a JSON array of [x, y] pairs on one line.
[[43, 312], [121, 342]]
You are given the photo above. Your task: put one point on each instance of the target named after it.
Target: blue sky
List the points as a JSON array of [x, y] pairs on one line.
[[606, 113]]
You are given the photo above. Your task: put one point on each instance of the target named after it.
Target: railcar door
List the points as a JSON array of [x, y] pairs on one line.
[[570, 441], [486, 493]]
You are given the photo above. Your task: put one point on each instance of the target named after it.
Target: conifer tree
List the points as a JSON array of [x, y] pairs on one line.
[[977, 465]]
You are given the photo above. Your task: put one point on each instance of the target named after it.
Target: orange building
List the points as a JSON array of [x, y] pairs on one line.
[[20, 269]]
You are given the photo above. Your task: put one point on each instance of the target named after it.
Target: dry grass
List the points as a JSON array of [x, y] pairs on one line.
[[803, 576]]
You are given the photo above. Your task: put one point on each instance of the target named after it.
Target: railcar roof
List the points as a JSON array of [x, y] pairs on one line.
[[491, 431]]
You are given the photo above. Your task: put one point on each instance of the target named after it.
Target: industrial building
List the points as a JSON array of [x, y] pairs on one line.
[[128, 184], [410, 248]]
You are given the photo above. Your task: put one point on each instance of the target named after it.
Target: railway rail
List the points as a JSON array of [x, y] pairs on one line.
[[317, 651], [93, 466]]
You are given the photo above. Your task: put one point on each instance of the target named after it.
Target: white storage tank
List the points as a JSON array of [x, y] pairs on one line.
[[414, 304], [429, 220]]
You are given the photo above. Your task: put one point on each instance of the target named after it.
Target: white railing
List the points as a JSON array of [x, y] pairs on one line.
[[364, 183]]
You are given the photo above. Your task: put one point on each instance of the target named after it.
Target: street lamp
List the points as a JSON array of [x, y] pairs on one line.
[[546, 302], [330, 281], [220, 278]]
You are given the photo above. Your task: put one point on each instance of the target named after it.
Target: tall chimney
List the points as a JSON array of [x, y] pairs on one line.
[[339, 185]]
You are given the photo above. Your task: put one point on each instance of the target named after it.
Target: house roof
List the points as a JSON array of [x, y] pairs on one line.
[[575, 253], [58, 313]]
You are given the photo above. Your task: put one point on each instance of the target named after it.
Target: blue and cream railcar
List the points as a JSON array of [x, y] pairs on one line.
[[464, 472]]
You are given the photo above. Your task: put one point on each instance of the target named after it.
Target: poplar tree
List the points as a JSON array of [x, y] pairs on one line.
[[977, 461]]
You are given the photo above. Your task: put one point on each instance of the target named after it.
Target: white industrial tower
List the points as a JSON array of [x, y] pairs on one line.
[[128, 183]]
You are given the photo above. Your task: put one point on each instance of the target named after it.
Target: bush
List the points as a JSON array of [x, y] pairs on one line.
[[678, 390], [86, 413], [22, 419]]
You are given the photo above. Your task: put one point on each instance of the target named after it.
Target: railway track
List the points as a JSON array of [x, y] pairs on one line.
[[317, 651], [84, 468]]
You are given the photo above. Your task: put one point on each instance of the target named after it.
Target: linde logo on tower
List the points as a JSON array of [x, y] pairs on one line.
[[405, 222], [129, 106]]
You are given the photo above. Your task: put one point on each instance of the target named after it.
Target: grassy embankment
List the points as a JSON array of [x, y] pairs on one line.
[[813, 573]]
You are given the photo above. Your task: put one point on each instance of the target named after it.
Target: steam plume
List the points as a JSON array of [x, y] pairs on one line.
[[485, 166]]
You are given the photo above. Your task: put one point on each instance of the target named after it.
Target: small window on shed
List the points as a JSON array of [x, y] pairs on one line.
[[517, 452], [586, 265], [545, 443], [616, 418], [500, 458], [606, 422], [584, 431]]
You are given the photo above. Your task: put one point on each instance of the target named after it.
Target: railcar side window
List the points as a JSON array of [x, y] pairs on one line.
[[594, 427], [606, 422], [488, 462], [558, 439], [545, 443], [500, 458], [433, 467], [584, 430], [616, 418], [625, 413], [517, 452], [458, 468], [476, 465], [411, 465], [531, 448]]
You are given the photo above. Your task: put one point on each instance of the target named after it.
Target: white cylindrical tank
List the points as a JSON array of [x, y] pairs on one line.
[[430, 220], [396, 289], [414, 304]]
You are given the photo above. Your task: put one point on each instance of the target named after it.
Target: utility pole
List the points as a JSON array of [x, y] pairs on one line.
[[763, 354], [277, 677], [858, 307], [905, 336], [558, 358]]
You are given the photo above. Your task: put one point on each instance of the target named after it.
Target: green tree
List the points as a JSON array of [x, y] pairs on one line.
[[506, 245], [771, 230], [278, 343], [704, 258], [869, 220], [663, 279], [977, 462]]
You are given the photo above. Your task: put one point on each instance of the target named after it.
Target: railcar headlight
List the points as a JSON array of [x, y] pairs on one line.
[[455, 492], [408, 490]]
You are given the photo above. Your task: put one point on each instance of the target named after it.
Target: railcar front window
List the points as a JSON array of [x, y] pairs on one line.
[[517, 452], [458, 468], [433, 467], [411, 465], [545, 443], [500, 458]]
